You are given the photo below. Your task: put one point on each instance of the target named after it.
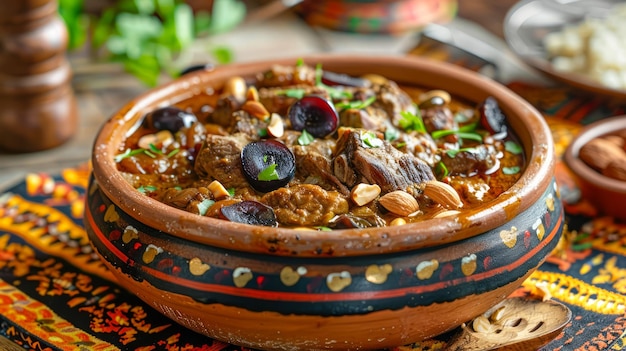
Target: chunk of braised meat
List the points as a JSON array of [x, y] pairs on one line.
[[283, 76], [313, 164], [188, 199], [479, 159], [224, 108], [393, 100], [356, 162], [361, 217], [243, 122], [421, 145], [220, 159], [370, 118], [305, 205], [440, 118]]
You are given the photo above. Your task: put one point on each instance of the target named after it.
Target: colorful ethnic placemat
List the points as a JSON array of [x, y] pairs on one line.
[[55, 294]]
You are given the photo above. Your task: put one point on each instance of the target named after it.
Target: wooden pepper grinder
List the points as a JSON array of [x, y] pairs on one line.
[[37, 104]]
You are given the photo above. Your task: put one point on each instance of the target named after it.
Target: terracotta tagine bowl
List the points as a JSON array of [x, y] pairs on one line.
[[596, 157], [278, 288]]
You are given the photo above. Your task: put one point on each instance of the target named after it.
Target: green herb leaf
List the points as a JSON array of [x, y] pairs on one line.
[[299, 62], [144, 7], [358, 104], [172, 153], [126, 154], [305, 138], [412, 122], [292, 93], [512, 147], [323, 229], [318, 74], [370, 140], [226, 14], [268, 173], [468, 128], [202, 23], [147, 189], [131, 25], [184, 24], [463, 135], [441, 170], [511, 170], [337, 94], [391, 134], [223, 55], [204, 206]]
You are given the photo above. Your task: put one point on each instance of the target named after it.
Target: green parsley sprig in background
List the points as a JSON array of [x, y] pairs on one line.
[[146, 36]]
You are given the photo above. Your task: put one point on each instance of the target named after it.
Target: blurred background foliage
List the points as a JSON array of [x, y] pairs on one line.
[[148, 37]]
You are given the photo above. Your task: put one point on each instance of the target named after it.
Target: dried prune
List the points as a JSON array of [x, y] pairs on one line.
[[250, 212], [491, 116]]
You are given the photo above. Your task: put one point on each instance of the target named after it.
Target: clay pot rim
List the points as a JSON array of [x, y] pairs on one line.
[[529, 126], [580, 168]]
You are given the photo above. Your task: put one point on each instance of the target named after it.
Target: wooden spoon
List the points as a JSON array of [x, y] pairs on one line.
[[514, 324]]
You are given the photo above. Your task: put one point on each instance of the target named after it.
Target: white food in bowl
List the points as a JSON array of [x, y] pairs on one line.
[[595, 47]]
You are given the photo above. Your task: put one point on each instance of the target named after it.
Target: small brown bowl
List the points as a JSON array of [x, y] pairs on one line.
[[287, 289], [608, 195]]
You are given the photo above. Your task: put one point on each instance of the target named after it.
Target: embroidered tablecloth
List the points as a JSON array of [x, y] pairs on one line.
[[55, 294]]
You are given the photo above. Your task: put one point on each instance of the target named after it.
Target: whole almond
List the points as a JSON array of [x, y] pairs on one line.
[[256, 109], [399, 202], [616, 169], [615, 139], [599, 152], [443, 194]]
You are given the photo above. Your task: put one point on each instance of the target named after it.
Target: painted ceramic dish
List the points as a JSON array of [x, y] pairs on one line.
[[606, 193], [280, 288]]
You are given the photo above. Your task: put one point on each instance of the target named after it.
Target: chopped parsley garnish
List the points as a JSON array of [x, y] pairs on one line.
[[441, 170], [152, 152], [512, 147], [268, 173], [292, 93], [511, 170], [391, 134], [463, 135], [411, 121], [127, 153], [299, 62], [369, 139], [147, 189], [172, 153], [305, 138], [204, 206], [357, 104]]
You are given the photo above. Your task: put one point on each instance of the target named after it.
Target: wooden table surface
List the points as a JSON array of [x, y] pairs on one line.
[[101, 89]]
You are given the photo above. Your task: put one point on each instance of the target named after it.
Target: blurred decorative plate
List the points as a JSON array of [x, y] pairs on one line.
[[529, 21]]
